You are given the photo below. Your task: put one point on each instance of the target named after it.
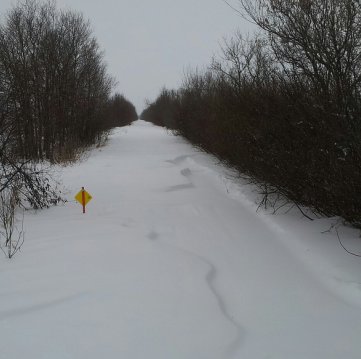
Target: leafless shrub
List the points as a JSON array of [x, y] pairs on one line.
[[13, 237], [284, 106]]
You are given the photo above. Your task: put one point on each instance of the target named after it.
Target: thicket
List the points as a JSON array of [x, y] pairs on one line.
[[284, 106], [55, 100], [120, 112]]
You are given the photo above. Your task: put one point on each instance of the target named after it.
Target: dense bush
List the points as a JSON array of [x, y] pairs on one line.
[[283, 107], [120, 112]]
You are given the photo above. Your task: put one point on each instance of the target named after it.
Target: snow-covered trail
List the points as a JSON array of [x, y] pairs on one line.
[[167, 264]]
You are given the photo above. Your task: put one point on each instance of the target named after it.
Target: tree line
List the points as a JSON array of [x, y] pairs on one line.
[[55, 99], [282, 106], [54, 86]]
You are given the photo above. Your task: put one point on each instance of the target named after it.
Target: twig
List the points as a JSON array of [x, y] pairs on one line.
[[311, 219], [341, 244], [281, 206], [333, 225]]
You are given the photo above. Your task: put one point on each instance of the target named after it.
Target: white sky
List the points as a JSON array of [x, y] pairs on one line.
[[149, 44]]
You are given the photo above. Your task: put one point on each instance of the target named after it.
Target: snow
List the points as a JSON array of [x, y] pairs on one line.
[[172, 260]]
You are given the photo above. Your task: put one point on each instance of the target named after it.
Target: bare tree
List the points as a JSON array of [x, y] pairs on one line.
[[318, 41], [284, 106], [55, 78]]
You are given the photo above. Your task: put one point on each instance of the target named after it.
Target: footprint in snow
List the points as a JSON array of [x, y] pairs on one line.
[[186, 172], [153, 235], [180, 187], [178, 160]]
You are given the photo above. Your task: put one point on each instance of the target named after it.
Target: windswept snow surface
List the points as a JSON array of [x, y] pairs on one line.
[[172, 261]]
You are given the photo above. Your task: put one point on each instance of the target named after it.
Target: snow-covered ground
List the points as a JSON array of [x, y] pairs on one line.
[[172, 261]]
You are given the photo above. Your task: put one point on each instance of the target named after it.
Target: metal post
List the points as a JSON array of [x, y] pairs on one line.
[[83, 198]]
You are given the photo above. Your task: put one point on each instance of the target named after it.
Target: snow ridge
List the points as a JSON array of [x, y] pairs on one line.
[[210, 280]]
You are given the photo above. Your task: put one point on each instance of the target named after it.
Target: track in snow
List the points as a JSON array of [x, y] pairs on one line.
[[166, 264]]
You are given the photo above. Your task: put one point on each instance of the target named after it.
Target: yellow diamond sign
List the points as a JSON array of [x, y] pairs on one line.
[[83, 197]]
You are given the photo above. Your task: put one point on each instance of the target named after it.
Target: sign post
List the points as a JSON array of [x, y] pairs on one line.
[[83, 197]]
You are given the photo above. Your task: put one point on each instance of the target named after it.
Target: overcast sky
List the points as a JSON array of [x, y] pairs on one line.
[[148, 44]]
